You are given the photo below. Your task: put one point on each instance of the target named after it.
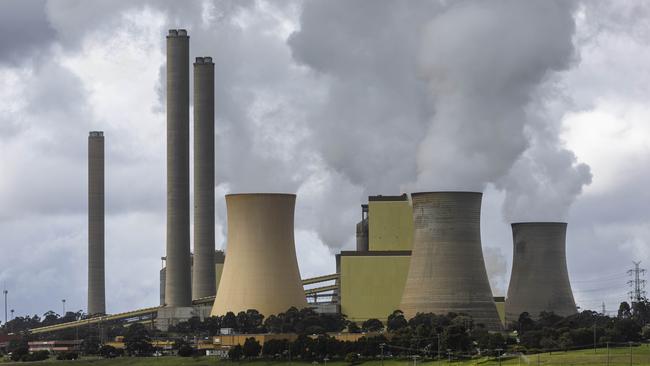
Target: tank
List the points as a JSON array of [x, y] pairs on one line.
[[447, 271], [203, 269], [261, 269], [96, 279], [178, 285], [539, 280]]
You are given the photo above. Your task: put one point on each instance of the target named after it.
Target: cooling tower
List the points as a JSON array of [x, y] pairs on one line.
[[539, 280], [261, 269], [447, 272], [96, 290], [203, 275], [178, 286]]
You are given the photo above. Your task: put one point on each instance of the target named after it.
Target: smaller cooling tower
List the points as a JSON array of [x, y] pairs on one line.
[[539, 280], [261, 269], [447, 271]]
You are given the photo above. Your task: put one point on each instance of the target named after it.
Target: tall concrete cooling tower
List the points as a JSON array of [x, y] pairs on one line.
[[539, 280], [261, 269], [96, 290], [447, 271], [203, 276], [178, 286]]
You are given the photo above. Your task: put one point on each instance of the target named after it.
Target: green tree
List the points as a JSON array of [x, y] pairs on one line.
[[251, 348], [396, 321], [108, 351], [137, 341], [372, 325], [624, 310], [229, 320], [235, 353], [353, 328]]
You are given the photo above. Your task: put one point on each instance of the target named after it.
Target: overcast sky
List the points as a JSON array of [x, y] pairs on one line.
[[542, 105]]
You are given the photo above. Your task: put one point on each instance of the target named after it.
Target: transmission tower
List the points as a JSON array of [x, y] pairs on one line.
[[637, 294]]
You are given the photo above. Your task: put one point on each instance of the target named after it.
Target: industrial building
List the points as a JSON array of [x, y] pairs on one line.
[[218, 257], [539, 280], [372, 278]]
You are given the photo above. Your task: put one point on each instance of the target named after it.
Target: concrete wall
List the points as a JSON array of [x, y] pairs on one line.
[[372, 284], [219, 258], [539, 280], [96, 281], [447, 271], [390, 225], [261, 269], [203, 269], [178, 286]]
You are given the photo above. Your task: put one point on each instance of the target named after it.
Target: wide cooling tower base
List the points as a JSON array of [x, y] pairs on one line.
[[447, 271], [261, 269]]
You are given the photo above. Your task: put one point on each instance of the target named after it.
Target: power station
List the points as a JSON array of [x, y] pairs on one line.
[[418, 253], [539, 280]]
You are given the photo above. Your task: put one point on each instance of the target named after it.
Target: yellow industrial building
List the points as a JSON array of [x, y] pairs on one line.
[[372, 278]]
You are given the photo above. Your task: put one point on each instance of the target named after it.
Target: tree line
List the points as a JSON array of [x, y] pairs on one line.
[[427, 335]]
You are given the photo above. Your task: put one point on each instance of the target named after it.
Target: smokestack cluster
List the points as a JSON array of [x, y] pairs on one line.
[[539, 280], [181, 285], [96, 289], [178, 290], [203, 277], [447, 271]]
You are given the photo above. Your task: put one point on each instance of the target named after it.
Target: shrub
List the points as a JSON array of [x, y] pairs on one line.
[[18, 353], [235, 353], [71, 355], [352, 358], [107, 351], [185, 350]]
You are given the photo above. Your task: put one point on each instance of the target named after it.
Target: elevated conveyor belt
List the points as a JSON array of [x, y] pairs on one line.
[[153, 310]]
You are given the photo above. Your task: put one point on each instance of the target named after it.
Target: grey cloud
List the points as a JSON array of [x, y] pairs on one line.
[[24, 30]]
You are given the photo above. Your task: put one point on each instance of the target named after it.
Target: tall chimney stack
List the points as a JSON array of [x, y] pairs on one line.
[[203, 277], [96, 290], [178, 286]]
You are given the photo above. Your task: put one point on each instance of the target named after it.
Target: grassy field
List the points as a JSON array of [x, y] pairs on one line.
[[617, 357]]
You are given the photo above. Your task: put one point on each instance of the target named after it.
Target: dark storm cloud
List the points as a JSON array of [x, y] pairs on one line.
[[24, 30]]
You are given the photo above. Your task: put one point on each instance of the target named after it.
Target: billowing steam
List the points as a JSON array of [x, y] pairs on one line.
[[486, 64]]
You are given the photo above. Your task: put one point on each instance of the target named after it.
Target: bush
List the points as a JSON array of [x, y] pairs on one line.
[[352, 358], [71, 355], [107, 351], [235, 353], [185, 350], [35, 356], [18, 353], [251, 348]]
